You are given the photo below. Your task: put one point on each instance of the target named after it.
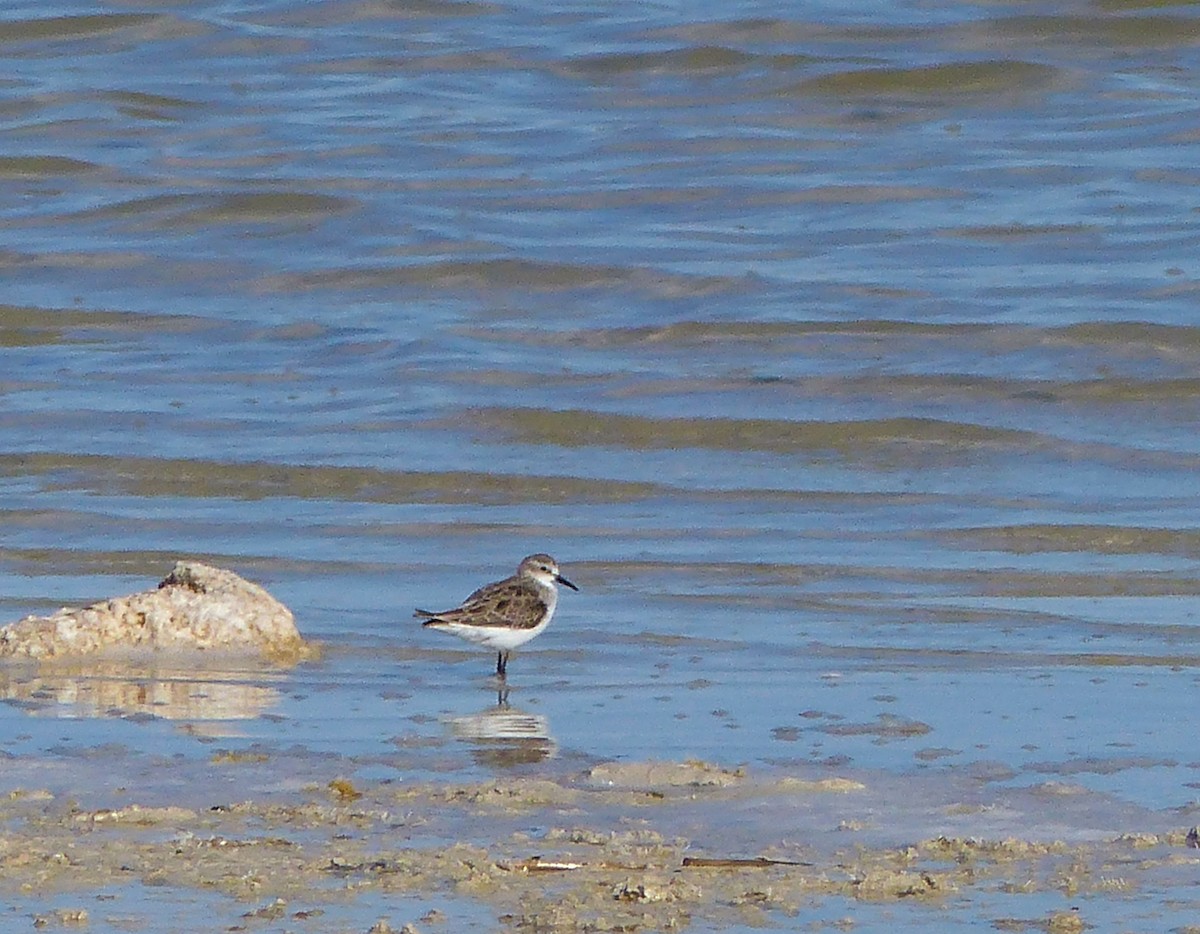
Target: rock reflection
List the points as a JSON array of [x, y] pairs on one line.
[[115, 690], [504, 736]]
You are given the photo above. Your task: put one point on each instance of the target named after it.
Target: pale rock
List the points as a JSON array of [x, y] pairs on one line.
[[196, 607]]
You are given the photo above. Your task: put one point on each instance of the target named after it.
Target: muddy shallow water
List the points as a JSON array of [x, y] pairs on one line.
[[340, 793], [845, 357], [611, 847]]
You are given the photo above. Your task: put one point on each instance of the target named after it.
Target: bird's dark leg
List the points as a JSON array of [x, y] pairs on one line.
[[501, 664]]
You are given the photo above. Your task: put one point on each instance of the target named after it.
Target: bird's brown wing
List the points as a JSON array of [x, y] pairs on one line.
[[448, 615], [507, 604]]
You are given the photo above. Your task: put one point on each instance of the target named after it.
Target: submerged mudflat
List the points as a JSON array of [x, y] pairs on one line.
[[642, 846]]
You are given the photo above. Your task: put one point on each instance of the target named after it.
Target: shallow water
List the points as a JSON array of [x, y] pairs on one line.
[[845, 358]]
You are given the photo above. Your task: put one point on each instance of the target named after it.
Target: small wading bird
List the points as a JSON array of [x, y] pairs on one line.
[[505, 614]]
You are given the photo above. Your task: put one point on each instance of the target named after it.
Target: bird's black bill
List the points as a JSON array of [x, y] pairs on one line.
[[566, 583]]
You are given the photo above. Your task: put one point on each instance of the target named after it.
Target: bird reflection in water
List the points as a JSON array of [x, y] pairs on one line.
[[504, 735]]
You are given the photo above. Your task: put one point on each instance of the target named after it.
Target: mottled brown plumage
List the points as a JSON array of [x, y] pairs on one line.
[[508, 613], [513, 604]]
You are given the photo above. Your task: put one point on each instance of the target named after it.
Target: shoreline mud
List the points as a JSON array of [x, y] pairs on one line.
[[612, 847]]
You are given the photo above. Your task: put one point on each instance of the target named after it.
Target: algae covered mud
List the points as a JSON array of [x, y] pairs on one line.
[[342, 796], [606, 849], [844, 354]]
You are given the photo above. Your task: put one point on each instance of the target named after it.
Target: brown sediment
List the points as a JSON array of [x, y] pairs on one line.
[[735, 863], [593, 869]]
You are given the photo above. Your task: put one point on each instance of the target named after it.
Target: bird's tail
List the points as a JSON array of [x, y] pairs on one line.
[[425, 614]]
